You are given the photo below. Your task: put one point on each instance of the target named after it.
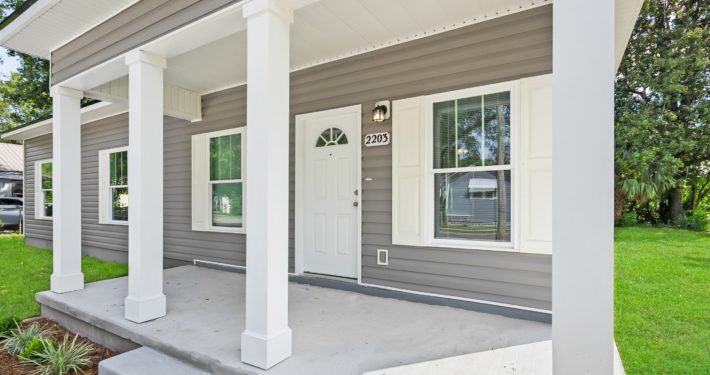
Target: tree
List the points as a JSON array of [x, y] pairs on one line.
[[662, 106], [24, 96]]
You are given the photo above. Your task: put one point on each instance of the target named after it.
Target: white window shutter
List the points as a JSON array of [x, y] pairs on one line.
[[407, 171], [200, 173], [536, 165], [104, 196]]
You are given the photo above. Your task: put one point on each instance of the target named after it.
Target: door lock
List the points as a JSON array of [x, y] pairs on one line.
[[355, 204]]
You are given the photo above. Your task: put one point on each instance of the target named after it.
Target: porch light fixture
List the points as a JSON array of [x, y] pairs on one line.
[[381, 111]]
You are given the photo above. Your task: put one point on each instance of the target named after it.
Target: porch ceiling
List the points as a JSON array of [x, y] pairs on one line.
[[48, 24]]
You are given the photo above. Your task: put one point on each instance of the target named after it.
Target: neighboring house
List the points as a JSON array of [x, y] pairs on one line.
[[12, 166], [251, 134]]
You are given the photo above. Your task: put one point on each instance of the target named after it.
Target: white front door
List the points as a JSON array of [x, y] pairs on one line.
[[329, 143]]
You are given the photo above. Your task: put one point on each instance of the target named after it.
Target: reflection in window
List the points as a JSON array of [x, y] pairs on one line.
[[226, 180], [46, 187], [473, 205], [472, 168], [118, 184], [332, 137]]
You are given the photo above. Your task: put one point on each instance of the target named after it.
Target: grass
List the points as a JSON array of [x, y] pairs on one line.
[[25, 270], [662, 302]]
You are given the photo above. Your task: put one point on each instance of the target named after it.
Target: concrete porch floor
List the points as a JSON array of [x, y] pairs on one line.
[[334, 331]]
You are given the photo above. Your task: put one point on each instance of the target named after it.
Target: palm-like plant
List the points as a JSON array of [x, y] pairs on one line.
[[64, 358], [16, 341]]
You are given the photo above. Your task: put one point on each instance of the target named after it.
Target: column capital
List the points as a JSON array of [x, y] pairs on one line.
[[137, 55], [254, 7], [55, 91]]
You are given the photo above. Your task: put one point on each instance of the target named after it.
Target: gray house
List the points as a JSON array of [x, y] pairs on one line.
[[430, 151]]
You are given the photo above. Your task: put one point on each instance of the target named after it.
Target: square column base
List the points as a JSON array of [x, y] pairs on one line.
[[265, 352], [66, 283], [143, 310]]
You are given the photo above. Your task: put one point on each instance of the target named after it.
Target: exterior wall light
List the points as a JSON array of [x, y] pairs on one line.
[[381, 111]]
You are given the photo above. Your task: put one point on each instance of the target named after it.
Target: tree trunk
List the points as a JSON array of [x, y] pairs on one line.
[[675, 205], [618, 204]]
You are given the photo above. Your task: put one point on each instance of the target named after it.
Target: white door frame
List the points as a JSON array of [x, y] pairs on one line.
[[300, 214]]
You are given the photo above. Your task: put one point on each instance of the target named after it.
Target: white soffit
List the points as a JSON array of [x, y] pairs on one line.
[[49, 24]]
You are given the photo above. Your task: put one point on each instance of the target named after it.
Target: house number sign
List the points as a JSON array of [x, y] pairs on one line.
[[377, 139]]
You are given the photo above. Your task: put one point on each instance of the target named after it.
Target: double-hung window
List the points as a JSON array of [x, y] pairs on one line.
[[43, 189], [218, 181], [472, 168], [113, 186]]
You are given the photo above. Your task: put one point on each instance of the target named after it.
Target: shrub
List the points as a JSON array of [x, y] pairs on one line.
[[64, 358], [628, 219], [18, 339], [697, 221], [34, 348]]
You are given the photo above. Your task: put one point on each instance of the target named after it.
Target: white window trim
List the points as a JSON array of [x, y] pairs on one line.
[[39, 192], [205, 138], [105, 204], [428, 203]]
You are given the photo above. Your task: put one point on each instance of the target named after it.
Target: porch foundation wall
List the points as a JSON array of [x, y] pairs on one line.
[[502, 49]]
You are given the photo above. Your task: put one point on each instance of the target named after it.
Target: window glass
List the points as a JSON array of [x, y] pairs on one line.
[[118, 185], [226, 180], [473, 205], [225, 157], [227, 205], [47, 207], [46, 175], [332, 137], [472, 132], [118, 166]]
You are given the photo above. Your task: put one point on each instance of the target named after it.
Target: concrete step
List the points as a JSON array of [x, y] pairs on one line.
[[146, 361]]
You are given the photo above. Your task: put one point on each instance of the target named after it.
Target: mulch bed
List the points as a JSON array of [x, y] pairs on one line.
[[10, 365]]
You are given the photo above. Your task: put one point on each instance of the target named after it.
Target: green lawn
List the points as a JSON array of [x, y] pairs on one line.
[[25, 271], [663, 300]]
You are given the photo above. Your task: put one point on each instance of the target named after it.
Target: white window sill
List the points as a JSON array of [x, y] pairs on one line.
[[473, 245], [44, 218], [113, 222], [223, 230]]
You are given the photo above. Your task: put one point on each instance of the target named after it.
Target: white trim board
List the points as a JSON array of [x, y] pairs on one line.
[[300, 186]]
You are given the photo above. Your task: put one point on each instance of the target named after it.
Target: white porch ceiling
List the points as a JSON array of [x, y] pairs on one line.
[[49, 24], [329, 30]]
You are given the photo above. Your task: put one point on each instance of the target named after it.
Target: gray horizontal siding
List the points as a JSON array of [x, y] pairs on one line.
[[134, 26], [39, 231], [502, 49]]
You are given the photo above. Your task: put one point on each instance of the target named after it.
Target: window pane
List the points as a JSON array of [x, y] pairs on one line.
[[497, 128], [473, 206], [47, 175], [47, 204], [467, 131], [227, 205], [225, 157], [119, 204], [118, 166]]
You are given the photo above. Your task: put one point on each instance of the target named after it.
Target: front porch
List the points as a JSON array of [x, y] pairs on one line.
[[335, 331]]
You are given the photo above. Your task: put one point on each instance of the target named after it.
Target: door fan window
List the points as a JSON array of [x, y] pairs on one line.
[[332, 137]]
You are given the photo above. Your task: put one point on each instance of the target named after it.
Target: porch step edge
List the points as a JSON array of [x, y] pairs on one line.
[[146, 361]]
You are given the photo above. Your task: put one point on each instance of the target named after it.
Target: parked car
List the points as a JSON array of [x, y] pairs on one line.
[[10, 213]]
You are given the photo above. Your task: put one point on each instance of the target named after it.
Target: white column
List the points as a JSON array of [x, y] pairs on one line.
[[583, 187], [66, 190], [267, 338], [145, 300]]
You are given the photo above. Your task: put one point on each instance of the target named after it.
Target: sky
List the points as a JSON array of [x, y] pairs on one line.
[[9, 64]]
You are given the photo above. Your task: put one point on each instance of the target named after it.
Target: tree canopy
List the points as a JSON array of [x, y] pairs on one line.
[[663, 107], [24, 95]]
